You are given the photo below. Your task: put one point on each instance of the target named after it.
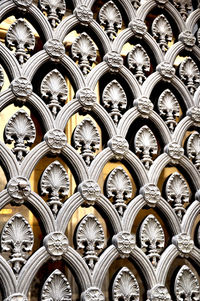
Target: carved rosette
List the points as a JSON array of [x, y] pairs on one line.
[[184, 243], [114, 99], [55, 49], [114, 61], [55, 183], [162, 32], [56, 140], [90, 191], [194, 114], [189, 74], [86, 138], [188, 39], [16, 297], [110, 17], [124, 242], [152, 239], [54, 90], [146, 145], [178, 194], [158, 293], [84, 51], [92, 294], [193, 149], [19, 189], [56, 244], [174, 151], [22, 89], [83, 14], [86, 97], [166, 70], [186, 285], [56, 287], [169, 108], [119, 188], [138, 27], [23, 5], [54, 9], [151, 194], [119, 146], [90, 238], [125, 286], [139, 62], [20, 129], [184, 7], [144, 106], [17, 238], [21, 39], [1, 78]]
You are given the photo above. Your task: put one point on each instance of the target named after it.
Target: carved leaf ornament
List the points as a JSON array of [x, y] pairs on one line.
[[55, 10], [83, 50], [55, 183], [190, 74], [87, 139], [146, 145], [125, 286], [162, 32], [184, 7], [119, 188], [177, 192], [56, 288], [110, 18], [20, 129], [152, 238], [115, 100], [17, 238], [193, 149], [20, 38], [89, 238], [139, 62], [54, 90]]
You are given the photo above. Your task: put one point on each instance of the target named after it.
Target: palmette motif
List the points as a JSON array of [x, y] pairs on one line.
[[54, 9]]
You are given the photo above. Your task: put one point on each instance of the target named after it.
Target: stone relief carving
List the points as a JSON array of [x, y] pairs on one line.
[[20, 38], [55, 49], [19, 190], [55, 183], [144, 106], [119, 188], [190, 74], [91, 294], [23, 5], [151, 194], [56, 140], [125, 286], [56, 287], [188, 39], [83, 50], [184, 7], [178, 194], [193, 149], [184, 243], [54, 90], [138, 27], [186, 285], [114, 100], [56, 244], [20, 129], [22, 89], [175, 151], [17, 238], [90, 238], [110, 17], [90, 191], [146, 145], [194, 114], [198, 37], [169, 108], [119, 146], [114, 61], [1, 78], [55, 10], [16, 297], [124, 242], [158, 293], [152, 238], [162, 32], [139, 62], [83, 14], [86, 138], [166, 70], [87, 98]]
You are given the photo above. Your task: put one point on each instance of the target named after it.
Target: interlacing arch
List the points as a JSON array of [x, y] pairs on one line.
[[99, 150]]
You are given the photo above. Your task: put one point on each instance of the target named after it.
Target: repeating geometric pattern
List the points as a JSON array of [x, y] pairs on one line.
[[140, 114]]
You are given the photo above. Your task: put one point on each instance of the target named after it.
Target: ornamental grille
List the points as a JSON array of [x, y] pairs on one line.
[[99, 150]]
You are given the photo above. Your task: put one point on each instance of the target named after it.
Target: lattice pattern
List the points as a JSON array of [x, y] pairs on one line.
[[140, 105]]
